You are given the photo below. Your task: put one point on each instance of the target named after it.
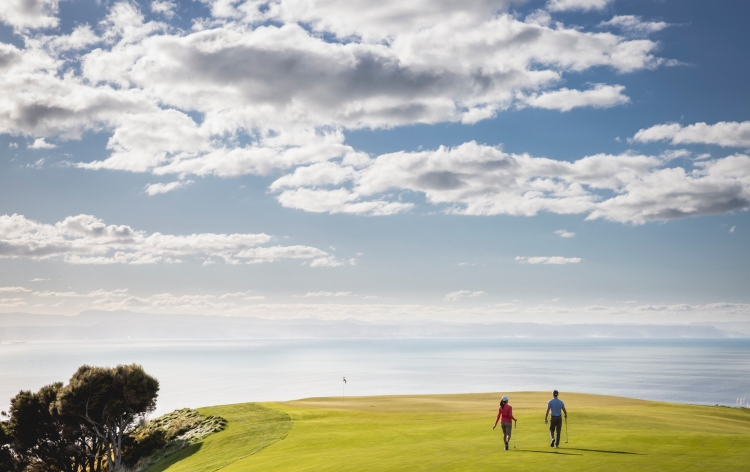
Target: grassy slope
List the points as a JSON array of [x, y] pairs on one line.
[[250, 428], [454, 432]]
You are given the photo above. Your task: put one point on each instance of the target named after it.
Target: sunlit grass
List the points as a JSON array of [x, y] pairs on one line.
[[454, 432]]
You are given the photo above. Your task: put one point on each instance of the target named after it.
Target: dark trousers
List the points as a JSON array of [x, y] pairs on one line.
[[555, 425]]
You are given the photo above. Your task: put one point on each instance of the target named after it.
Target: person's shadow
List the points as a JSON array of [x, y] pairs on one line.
[[604, 451], [551, 452], [582, 450]]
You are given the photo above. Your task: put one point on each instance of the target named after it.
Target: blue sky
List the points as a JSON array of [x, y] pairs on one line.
[[484, 160]]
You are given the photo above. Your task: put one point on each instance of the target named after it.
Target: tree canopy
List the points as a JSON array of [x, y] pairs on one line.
[[80, 426]]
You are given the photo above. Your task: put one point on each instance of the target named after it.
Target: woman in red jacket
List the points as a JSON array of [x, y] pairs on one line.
[[506, 414]]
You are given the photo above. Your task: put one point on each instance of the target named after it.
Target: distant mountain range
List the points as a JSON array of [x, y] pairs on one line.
[[98, 325]]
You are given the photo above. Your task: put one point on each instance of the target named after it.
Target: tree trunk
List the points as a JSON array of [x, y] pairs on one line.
[[119, 433]]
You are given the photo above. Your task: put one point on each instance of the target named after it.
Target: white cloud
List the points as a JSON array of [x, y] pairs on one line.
[[341, 307], [455, 296], [243, 296], [585, 5], [22, 14], [84, 239], [338, 201], [555, 260], [119, 299], [81, 37], [712, 187], [165, 301], [13, 289], [371, 21], [677, 307], [38, 279], [10, 302], [164, 7], [327, 294], [160, 188], [330, 261], [394, 63], [724, 133], [40, 143], [634, 25], [599, 96], [565, 234], [93, 294], [273, 253], [473, 179], [731, 230], [397, 63]]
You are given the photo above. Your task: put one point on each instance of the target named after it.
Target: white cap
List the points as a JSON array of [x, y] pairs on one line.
[[505, 399]]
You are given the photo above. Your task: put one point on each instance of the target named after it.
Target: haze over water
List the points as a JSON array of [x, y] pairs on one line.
[[202, 373]]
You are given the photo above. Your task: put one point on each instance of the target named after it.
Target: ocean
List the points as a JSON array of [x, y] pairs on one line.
[[202, 373]]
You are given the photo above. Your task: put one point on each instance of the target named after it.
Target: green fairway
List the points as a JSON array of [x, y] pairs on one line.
[[454, 432]]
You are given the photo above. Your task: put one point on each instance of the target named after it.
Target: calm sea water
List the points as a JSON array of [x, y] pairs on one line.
[[201, 373]]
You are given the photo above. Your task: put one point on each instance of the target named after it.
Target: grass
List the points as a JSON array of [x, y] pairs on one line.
[[454, 432], [250, 428]]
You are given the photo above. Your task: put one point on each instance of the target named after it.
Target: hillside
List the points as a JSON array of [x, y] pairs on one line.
[[454, 432]]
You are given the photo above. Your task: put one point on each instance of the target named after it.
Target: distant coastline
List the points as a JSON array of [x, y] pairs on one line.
[[101, 325]]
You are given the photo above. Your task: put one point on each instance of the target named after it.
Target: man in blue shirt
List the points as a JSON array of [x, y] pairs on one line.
[[558, 408]]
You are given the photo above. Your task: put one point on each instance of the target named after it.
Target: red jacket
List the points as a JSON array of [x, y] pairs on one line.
[[507, 414]]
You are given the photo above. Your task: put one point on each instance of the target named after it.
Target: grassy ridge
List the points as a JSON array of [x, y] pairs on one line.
[[250, 428], [454, 432]]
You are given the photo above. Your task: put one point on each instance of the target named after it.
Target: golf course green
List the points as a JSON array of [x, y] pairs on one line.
[[454, 432]]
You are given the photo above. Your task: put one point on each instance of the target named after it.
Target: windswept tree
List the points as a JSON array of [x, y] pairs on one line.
[[109, 402], [8, 458], [39, 437]]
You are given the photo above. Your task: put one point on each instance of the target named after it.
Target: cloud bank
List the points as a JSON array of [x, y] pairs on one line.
[[270, 88], [455, 296], [161, 188], [84, 239], [273, 93], [583, 5], [474, 179], [724, 133], [553, 260], [634, 25], [23, 14]]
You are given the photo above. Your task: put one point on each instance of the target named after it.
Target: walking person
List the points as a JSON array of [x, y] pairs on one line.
[[557, 407], [505, 416]]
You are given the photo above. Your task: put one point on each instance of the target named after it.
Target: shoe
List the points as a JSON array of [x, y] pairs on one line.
[[506, 446], [552, 443], [557, 446]]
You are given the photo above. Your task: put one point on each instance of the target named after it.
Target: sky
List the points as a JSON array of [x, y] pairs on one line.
[[475, 160]]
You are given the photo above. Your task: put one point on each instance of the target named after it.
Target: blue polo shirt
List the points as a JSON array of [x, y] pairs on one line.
[[555, 405]]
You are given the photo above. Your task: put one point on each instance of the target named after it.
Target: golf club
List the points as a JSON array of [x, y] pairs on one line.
[[566, 430]]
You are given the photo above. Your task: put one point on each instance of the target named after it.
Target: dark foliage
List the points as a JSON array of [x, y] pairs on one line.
[[8, 460], [41, 437], [109, 402], [79, 427], [141, 445]]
